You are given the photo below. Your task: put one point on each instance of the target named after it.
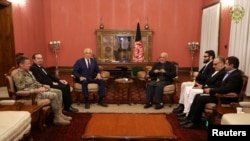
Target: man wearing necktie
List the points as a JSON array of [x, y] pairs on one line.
[[86, 70], [45, 77], [231, 84], [211, 82]]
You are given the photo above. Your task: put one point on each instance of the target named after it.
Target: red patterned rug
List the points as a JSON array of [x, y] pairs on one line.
[[74, 131]]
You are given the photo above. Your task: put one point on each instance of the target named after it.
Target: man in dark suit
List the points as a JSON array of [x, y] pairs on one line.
[[161, 74], [200, 78], [231, 82], [212, 82], [86, 70], [44, 77]]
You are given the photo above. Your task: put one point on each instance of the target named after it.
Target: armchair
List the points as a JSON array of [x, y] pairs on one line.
[[169, 90], [26, 97], [209, 107], [77, 89]]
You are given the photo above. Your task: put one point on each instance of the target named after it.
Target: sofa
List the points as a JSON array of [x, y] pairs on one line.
[[14, 125], [242, 118]]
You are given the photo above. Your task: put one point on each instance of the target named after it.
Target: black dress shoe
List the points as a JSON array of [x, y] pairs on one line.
[[190, 125], [159, 106], [71, 109], [103, 103], [87, 105], [179, 106], [181, 115], [148, 105], [182, 118], [184, 122], [178, 109]]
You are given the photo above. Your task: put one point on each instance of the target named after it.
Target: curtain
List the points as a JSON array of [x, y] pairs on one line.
[[209, 30], [239, 43]]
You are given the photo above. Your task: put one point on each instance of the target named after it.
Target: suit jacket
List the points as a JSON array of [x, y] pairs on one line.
[[80, 69], [216, 80], [42, 77], [205, 73], [167, 76], [233, 83]]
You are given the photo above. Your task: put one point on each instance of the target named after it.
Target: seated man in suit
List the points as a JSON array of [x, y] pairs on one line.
[[231, 82], [199, 77], [213, 82], [86, 70], [25, 81], [161, 74], [45, 77]]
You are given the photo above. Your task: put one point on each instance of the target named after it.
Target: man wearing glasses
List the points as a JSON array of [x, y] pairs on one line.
[[161, 74], [212, 82], [200, 78]]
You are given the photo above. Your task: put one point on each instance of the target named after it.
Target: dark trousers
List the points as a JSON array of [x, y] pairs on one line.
[[66, 94], [155, 88], [198, 106], [101, 85]]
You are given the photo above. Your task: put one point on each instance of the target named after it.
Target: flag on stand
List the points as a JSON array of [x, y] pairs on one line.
[[138, 55]]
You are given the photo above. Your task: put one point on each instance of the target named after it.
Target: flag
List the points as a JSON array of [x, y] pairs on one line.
[[138, 55]]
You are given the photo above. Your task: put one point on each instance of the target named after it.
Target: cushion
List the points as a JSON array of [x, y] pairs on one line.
[[14, 125], [169, 89], [92, 87], [7, 102], [105, 74], [235, 119], [141, 75]]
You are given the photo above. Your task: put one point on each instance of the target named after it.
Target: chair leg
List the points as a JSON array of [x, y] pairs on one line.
[[78, 98]]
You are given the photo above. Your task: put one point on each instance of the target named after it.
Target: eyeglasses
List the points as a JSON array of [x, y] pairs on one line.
[[215, 64], [205, 56]]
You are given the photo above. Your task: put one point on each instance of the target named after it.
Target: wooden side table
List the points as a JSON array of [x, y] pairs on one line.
[[219, 111], [123, 85]]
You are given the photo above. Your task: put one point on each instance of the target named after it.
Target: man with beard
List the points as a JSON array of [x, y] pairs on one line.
[[200, 78]]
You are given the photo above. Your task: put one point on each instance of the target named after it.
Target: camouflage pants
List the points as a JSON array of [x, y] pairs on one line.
[[55, 96]]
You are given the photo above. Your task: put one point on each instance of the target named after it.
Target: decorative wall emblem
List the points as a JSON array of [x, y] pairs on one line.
[[237, 12]]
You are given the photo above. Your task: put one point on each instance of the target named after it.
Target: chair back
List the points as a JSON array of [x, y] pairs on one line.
[[10, 82], [244, 87]]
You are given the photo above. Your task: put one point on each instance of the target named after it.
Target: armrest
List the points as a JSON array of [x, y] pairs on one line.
[[28, 94], [228, 95]]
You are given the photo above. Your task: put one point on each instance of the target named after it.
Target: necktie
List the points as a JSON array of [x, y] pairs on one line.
[[44, 70], [89, 63]]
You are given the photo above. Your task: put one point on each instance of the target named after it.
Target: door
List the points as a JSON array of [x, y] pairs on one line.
[[7, 48]]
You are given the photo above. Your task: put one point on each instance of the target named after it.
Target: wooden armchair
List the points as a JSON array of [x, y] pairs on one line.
[[209, 107], [169, 90], [27, 98], [92, 87], [77, 89]]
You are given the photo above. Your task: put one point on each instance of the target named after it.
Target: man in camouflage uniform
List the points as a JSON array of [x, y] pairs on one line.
[[25, 81]]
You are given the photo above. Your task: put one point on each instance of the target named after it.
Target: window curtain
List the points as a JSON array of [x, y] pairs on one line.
[[239, 43], [209, 31]]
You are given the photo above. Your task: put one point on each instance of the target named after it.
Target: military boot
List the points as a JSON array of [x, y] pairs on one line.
[[58, 120]]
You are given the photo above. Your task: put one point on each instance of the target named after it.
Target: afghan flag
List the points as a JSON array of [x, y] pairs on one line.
[[138, 49]]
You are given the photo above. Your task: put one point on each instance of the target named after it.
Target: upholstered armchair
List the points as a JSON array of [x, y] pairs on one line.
[[93, 88], [169, 90], [209, 107], [27, 98]]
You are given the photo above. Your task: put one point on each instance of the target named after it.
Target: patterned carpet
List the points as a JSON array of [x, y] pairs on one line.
[[137, 95]]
